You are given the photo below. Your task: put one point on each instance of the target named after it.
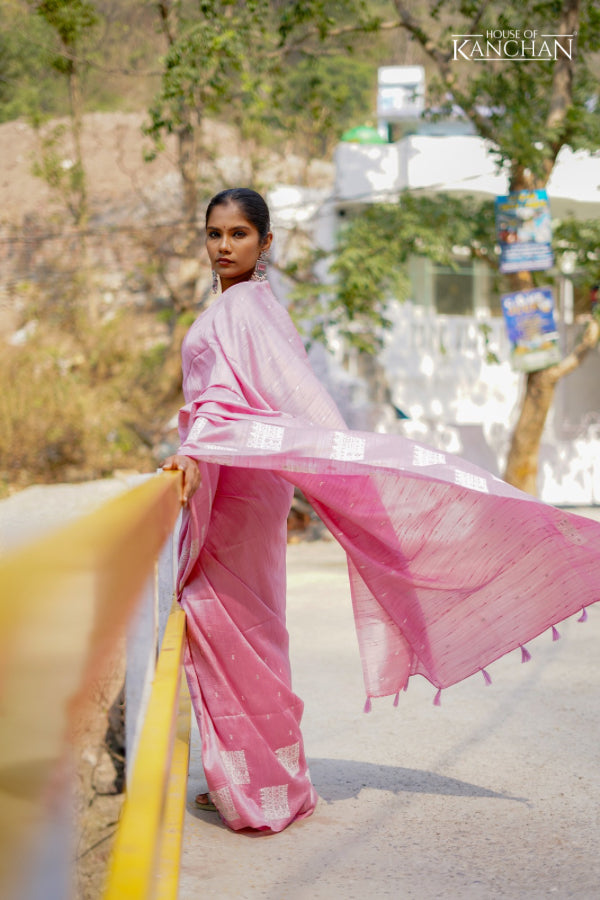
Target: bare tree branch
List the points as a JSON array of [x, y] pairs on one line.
[[164, 12], [561, 97], [478, 16], [442, 60], [84, 61], [588, 341], [290, 46]]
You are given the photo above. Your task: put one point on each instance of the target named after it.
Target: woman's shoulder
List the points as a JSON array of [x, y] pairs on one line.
[[251, 300], [250, 292]]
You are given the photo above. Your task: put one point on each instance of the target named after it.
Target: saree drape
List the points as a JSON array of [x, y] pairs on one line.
[[450, 567]]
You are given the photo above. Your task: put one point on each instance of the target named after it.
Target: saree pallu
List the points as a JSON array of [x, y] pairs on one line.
[[450, 567]]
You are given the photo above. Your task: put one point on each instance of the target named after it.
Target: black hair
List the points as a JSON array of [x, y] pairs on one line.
[[251, 204]]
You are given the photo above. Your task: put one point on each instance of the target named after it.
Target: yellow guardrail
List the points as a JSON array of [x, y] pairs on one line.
[[145, 860], [65, 600]]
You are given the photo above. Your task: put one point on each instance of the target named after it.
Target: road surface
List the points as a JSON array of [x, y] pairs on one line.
[[493, 794]]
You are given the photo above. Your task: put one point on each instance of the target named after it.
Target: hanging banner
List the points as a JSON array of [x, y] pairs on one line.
[[524, 231], [529, 317]]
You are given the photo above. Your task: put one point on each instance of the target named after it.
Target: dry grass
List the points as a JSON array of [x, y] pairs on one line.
[[83, 394]]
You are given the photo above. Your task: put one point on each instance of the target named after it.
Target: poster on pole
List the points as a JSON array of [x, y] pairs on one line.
[[524, 231], [531, 327]]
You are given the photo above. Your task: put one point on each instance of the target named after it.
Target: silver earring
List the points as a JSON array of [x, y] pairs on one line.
[[215, 282], [260, 269]]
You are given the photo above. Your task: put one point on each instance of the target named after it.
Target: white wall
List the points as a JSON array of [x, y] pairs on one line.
[[438, 375], [436, 365]]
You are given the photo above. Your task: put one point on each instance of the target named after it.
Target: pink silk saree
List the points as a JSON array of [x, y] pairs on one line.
[[450, 567]]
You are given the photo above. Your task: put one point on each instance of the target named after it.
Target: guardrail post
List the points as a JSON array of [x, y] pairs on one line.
[[144, 640], [141, 653]]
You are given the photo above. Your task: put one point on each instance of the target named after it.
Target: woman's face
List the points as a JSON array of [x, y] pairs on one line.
[[233, 244]]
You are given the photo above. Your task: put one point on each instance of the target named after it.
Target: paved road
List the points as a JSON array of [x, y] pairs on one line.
[[493, 794]]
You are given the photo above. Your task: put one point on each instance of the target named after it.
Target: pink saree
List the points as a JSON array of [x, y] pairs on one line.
[[450, 568]]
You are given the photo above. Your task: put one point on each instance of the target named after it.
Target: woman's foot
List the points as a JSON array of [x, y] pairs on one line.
[[204, 803]]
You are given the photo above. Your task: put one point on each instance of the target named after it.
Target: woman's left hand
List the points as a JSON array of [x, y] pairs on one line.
[[191, 474]]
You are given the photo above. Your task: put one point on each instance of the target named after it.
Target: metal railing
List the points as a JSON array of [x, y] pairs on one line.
[[65, 600]]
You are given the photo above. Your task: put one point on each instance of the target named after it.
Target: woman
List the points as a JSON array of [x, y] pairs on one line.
[[450, 568]]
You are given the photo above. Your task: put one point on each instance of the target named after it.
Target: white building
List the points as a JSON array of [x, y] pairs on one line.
[[435, 355]]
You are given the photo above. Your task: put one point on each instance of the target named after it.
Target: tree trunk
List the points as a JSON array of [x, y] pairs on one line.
[[78, 183], [188, 168], [521, 467], [188, 247], [522, 463]]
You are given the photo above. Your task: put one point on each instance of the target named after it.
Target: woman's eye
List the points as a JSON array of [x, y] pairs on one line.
[[213, 234], [240, 234]]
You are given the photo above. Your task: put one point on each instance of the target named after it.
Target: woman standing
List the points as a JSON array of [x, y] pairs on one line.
[[450, 568], [233, 581]]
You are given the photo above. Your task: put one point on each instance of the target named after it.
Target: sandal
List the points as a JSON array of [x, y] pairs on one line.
[[204, 803]]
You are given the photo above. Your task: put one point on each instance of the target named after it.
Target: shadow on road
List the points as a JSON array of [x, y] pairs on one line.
[[340, 779]]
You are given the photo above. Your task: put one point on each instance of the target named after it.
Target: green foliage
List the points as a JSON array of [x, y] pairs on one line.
[[65, 180], [370, 264], [324, 17], [491, 357], [71, 19], [263, 66], [28, 84], [207, 63], [325, 96], [581, 239], [510, 102], [73, 22], [115, 55]]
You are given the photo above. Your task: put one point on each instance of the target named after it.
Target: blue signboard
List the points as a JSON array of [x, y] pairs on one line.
[[524, 231], [529, 317]]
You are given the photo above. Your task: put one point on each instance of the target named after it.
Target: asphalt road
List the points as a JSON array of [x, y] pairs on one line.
[[493, 794]]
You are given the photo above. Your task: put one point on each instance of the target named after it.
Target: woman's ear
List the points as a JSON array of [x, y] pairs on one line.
[[266, 245]]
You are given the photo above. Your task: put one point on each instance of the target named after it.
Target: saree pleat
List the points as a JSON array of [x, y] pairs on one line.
[[237, 660], [449, 567]]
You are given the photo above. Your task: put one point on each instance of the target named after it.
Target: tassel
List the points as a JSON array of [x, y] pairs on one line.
[[437, 701], [405, 688], [397, 699], [555, 634], [486, 677], [525, 654], [367, 708], [583, 616]]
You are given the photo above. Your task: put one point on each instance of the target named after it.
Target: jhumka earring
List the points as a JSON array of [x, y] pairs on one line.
[[215, 282], [260, 269]]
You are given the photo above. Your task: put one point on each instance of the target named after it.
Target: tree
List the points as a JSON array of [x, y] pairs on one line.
[[207, 65], [239, 63], [28, 85], [372, 255], [528, 111], [250, 65], [71, 21]]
